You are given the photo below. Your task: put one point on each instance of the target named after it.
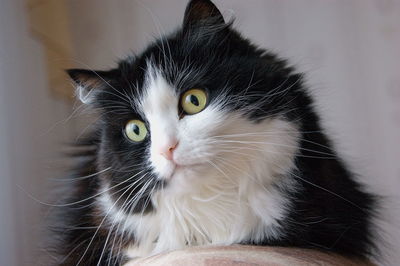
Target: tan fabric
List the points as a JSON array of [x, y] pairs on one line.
[[246, 255], [49, 23]]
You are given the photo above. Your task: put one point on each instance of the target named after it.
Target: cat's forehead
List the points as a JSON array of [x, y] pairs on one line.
[[159, 82], [158, 95]]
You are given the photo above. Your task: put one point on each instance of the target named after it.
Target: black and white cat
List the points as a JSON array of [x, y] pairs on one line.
[[205, 139]]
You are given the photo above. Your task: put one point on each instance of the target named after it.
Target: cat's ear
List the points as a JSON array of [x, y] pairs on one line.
[[88, 83], [202, 12]]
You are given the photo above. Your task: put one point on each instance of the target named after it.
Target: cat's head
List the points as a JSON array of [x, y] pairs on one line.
[[199, 111]]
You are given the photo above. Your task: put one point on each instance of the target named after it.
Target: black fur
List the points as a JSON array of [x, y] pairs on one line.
[[331, 211]]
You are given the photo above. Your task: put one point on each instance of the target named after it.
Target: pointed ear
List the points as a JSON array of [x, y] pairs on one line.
[[88, 83], [202, 11]]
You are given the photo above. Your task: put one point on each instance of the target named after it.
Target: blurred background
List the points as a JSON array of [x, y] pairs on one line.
[[350, 51]]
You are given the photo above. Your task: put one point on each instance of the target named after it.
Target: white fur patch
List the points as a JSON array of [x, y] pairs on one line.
[[85, 94], [222, 191]]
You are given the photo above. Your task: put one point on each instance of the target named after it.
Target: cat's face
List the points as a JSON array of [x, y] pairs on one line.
[[196, 134], [201, 110]]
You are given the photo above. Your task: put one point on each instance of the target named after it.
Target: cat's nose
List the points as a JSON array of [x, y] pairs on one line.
[[168, 150]]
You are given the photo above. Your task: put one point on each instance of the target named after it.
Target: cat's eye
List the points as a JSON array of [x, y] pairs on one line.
[[194, 101], [136, 130]]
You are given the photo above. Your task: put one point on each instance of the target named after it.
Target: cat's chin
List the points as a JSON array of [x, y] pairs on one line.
[[181, 171], [173, 170], [183, 177]]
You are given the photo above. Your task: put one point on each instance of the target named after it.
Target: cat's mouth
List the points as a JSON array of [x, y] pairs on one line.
[[176, 168], [181, 169]]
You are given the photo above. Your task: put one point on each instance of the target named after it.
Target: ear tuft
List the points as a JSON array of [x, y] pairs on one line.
[[88, 83], [202, 11]]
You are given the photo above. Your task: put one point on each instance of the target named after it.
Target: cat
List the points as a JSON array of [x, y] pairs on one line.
[[206, 139]]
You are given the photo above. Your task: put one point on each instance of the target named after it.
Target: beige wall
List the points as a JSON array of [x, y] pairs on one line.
[[29, 141], [350, 50]]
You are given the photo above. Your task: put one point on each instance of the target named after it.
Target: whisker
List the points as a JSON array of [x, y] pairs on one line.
[[98, 228], [114, 222], [79, 201], [123, 209], [84, 177], [274, 144], [326, 190], [235, 150]]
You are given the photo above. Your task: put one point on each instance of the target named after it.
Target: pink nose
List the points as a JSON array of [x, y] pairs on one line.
[[168, 151]]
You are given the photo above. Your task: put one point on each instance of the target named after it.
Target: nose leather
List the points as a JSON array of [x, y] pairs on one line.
[[168, 150]]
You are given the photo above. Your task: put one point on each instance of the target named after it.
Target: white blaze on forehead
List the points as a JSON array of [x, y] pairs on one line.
[[159, 105], [159, 98]]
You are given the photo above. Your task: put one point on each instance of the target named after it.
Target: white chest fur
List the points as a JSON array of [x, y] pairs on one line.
[[232, 210], [208, 219]]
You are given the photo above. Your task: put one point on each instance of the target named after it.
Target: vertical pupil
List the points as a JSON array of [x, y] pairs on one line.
[[194, 100], [135, 129]]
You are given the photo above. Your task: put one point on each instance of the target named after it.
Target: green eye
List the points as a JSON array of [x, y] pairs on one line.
[[136, 130], [194, 101]]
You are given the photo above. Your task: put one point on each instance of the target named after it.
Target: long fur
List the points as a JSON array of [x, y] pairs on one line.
[[258, 168]]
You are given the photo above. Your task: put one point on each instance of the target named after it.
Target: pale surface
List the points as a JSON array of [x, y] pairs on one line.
[[246, 256], [349, 48]]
